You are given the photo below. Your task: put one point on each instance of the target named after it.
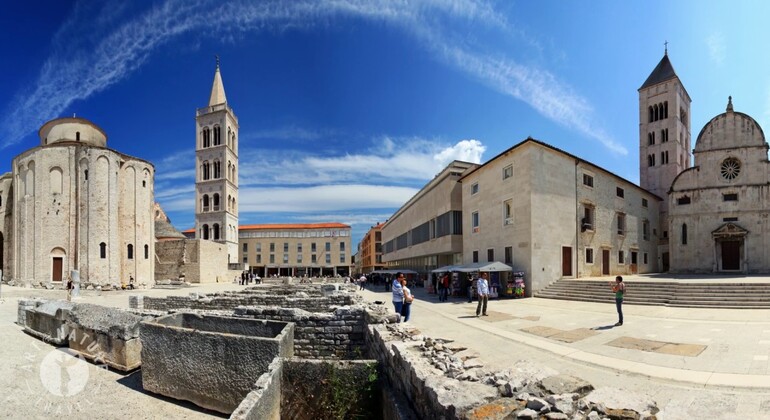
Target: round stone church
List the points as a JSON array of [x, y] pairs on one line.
[[72, 203]]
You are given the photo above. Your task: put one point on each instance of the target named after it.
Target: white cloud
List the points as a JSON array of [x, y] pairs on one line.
[[716, 47], [465, 150]]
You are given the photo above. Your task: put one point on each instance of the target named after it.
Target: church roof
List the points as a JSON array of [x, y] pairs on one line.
[[217, 89], [662, 72]]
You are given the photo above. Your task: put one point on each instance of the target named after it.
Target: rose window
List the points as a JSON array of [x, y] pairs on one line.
[[731, 168]]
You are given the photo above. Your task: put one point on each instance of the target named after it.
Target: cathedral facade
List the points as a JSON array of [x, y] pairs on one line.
[[72, 203]]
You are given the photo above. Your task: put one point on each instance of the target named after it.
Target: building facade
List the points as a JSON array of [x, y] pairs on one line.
[[426, 232], [297, 250], [370, 250], [72, 203], [216, 171], [553, 215]]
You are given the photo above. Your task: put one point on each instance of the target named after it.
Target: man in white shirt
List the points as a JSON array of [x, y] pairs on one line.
[[362, 281], [482, 287]]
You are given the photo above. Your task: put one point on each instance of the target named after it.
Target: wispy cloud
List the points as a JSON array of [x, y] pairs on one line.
[[291, 132], [110, 51], [716, 46]]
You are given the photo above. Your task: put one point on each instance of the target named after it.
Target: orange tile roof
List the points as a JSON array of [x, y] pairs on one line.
[[279, 226]]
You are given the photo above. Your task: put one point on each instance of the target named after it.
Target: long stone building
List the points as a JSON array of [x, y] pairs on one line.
[[72, 203]]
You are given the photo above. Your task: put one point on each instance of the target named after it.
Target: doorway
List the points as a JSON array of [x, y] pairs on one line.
[[566, 261], [605, 262], [731, 255], [56, 274]]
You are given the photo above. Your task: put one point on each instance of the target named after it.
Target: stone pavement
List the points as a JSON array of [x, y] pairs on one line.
[[693, 362]]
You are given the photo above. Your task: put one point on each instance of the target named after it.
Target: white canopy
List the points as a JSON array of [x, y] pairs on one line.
[[484, 266], [445, 269], [393, 271]]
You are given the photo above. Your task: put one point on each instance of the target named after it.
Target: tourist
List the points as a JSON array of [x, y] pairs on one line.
[[619, 288], [470, 289], [482, 286], [398, 293], [69, 289], [406, 307], [362, 280]]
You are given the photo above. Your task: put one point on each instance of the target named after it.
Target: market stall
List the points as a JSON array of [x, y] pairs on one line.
[[496, 271]]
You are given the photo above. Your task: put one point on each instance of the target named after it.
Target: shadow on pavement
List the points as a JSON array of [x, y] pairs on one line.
[[604, 327]]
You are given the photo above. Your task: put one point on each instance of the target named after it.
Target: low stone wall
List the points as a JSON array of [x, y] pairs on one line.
[[231, 301], [331, 335], [264, 401], [211, 361], [47, 321]]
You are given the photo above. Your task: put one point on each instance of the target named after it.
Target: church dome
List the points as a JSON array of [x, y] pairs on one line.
[[72, 129], [730, 130]]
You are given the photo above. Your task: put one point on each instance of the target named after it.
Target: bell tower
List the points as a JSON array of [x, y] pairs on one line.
[[216, 171], [664, 139]]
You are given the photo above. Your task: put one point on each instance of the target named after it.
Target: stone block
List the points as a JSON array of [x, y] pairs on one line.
[[48, 322], [211, 361]]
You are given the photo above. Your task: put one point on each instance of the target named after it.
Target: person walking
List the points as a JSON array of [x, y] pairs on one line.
[[619, 288], [406, 308], [482, 286], [398, 294], [444, 287], [362, 281], [471, 286]]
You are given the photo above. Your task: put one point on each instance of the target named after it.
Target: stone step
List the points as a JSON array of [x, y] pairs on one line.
[[683, 304]]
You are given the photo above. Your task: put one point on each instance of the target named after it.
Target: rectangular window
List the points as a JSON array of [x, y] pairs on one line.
[[633, 257], [509, 255], [285, 258], [299, 258], [328, 246], [342, 246], [475, 221], [490, 255], [644, 258], [475, 256], [272, 246], [621, 260], [589, 256], [272, 258], [299, 248], [342, 258], [508, 172], [730, 219], [474, 188], [644, 202], [646, 230], [683, 200], [587, 223], [328, 258], [313, 259], [285, 247], [259, 247], [259, 258], [730, 197], [245, 247], [588, 180], [312, 247], [508, 212], [619, 192], [621, 224]]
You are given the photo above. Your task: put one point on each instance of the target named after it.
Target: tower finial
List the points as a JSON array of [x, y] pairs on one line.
[[729, 104], [665, 46], [217, 57]]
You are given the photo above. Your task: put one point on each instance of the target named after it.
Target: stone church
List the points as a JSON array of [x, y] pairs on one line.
[[72, 203], [714, 218]]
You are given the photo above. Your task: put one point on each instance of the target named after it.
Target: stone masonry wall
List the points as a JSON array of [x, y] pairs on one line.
[[231, 301]]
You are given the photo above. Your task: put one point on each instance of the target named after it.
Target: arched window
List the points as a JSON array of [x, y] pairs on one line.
[[649, 160], [649, 111], [146, 252], [205, 231], [216, 231], [229, 168], [130, 252], [205, 202], [234, 209], [217, 169], [206, 170], [665, 109], [217, 137], [1, 201], [656, 112], [235, 176], [233, 145], [216, 202], [102, 250], [206, 137], [77, 136], [684, 233], [229, 137]]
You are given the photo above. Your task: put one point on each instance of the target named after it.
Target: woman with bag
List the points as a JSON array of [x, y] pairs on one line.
[[406, 307]]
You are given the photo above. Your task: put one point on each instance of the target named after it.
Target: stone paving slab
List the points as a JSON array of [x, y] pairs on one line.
[[569, 336], [677, 349]]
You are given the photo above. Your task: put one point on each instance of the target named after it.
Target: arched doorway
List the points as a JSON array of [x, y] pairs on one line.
[[57, 264], [729, 247]]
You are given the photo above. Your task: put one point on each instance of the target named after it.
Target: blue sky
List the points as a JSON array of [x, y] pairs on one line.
[[347, 108]]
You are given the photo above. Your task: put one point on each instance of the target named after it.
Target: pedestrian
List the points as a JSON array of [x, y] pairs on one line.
[[444, 287], [69, 289], [363, 281], [470, 289], [482, 286], [398, 294], [619, 288], [406, 308]]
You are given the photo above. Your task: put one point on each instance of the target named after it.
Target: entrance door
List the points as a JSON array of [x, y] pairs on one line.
[[606, 262], [566, 261], [731, 255], [665, 261], [57, 265]]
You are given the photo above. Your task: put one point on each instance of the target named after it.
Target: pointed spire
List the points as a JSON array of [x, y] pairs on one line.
[[217, 88], [729, 104], [663, 71]]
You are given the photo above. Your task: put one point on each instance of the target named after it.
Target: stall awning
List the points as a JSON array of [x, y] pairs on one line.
[[484, 266], [445, 269], [393, 271]]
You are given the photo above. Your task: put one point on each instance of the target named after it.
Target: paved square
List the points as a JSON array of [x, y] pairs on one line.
[[678, 349]]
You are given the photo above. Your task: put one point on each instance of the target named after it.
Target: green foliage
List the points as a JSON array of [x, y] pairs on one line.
[[349, 393]]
